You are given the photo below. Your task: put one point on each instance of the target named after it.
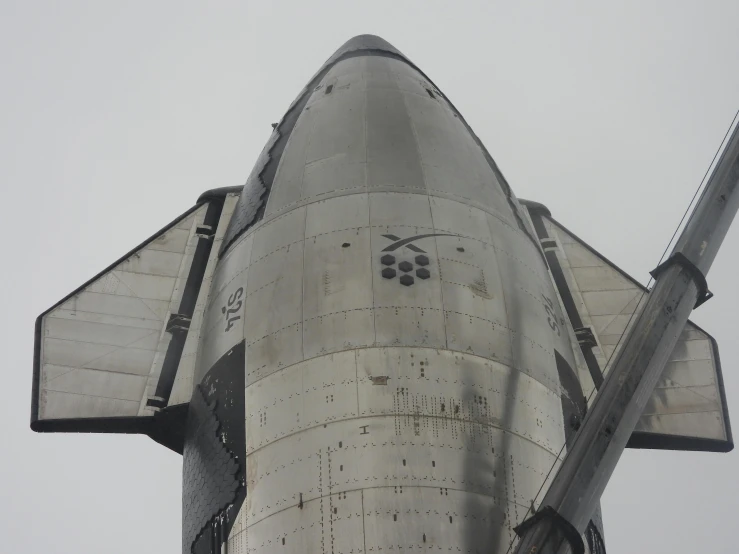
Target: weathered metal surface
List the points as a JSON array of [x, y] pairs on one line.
[[410, 401]]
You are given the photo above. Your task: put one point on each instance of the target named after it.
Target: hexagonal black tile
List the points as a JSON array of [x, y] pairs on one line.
[[387, 259], [388, 273], [423, 273], [422, 260], [405, 266], [406, 280]]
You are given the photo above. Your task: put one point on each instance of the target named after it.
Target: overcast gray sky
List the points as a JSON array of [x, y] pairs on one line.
[[117, 115]]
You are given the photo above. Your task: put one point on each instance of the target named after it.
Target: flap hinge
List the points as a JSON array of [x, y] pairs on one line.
[[585, 337], [205, 231], [178, 323]]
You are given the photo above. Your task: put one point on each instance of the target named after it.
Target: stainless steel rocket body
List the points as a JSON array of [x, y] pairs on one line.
[[403, 355], [372, 345]]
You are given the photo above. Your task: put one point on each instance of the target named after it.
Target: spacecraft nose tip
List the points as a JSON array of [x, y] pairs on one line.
[[367, 42]]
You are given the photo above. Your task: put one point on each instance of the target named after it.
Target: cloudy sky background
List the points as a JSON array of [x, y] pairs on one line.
[[117, 115]]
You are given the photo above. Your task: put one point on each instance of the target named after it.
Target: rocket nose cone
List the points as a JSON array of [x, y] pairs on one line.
[[366, 42], [251, 205]]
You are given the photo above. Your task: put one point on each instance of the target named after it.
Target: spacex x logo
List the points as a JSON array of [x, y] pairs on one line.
[[407, 267], [409, 242]]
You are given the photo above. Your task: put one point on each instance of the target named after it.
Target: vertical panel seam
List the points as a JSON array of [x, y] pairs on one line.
[[431, 212], [369, 224]]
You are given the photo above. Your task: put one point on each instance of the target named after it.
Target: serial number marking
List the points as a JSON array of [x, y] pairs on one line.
[[551, 317], [232, 308]]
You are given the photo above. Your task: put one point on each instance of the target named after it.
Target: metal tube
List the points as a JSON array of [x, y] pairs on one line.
[[680, 283]]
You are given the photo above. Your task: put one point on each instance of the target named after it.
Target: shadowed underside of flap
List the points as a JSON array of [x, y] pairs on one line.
[[687, 410]]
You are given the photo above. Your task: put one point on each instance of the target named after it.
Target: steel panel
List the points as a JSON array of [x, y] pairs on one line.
[[284, 269], [470, 280], [392, 152], [478, 523], [278, 474], [341, 133], [331, 523], [474, 303], [532, 338], [106, 319], [338, 331], [173, 241], [128, 360], [287, 186], [97, 356], [410, 213], [412, 320], [378, 79], [703, 424], [111, 304], [146, 286], [102, 333], [688, 350], [278, 233], [272, 352], [88, 382], [274, 337], [64, 405], [266, 418], [318, 391], [332, 175], [337, 278], [153, 262], [335, 168], [329, 388], [338, 214], [409, 82], [691, 373], [381, 64], [451, 216], [337, 284], [451, 160], [442, 181], [517, 247]]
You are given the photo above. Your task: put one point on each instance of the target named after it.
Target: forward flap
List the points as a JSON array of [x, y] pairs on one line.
[[122, 347], [687, 410]]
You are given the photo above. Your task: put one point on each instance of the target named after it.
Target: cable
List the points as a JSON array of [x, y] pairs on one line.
[[636, 310], [700, 186]]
